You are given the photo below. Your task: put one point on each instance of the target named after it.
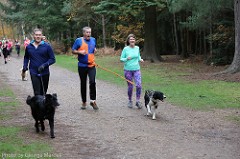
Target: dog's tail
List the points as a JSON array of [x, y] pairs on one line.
[[28, 101]]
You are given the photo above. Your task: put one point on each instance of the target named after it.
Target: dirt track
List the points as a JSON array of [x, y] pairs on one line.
[[118, 132]]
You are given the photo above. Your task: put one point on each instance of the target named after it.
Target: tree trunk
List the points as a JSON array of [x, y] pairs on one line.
[[3, 28], [191, 41], [13, 31], [71, 40], [196, 42], [204, 44], [184, 53], [150, 40], [211, 41], [65, 41], [175, 34], [187, 41], [200, 42], [211, 32], [104, 32], [23, 31], [59, 38], [182, 43], [235, 66]]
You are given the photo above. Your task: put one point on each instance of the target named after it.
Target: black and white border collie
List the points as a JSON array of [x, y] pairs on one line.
[[152, 99]]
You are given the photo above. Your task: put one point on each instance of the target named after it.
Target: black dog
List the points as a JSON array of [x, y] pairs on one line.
[[43, 107], [152, 98]]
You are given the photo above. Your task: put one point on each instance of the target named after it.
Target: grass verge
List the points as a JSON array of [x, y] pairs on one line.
[[234, 118], [12, 143], [169, 78]]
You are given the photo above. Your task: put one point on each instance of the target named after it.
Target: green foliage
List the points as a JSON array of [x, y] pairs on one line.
[[62, 21], [126, 8], [129, 15], [128, 26], [121, 7], [201, 12], [78, 11], [208, 16], [108, 7], [223, 42], [6, 92], [234, 118], [7, 102], [42, 13], [14, 145]]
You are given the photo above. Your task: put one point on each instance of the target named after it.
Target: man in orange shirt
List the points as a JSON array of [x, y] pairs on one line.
[[85, 48]]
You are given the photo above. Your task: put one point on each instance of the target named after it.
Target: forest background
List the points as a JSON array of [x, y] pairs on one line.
[[186, 28]]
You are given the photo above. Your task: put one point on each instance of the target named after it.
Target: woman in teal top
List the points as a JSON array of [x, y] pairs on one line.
[[131, 58]]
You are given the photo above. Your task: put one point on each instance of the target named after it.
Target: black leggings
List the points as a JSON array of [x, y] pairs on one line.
[[91, 73], [5, 52], [18, 50], [37, 84]]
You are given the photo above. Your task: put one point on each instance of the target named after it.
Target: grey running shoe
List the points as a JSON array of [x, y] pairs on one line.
[[84, 105], [94, 105], [138, 104], [130, 104]]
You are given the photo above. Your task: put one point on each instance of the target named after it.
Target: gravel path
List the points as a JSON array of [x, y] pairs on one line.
[[117, 132]]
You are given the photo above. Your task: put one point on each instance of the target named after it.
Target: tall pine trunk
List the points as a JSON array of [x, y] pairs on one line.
[[204, 44], [184, 53], [196, 43], [211, 43], [71, 34], [235, 66], [3, 32], [104, 31], [175, 34], [65, 41], [23, 31], [150, 40]]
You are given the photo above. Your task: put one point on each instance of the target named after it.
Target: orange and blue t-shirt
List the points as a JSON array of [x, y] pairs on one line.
[[87, 45]]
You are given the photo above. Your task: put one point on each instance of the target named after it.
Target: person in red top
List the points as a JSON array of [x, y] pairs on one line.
[[85, 48], [1, 47], [9, 48], [26, 42]]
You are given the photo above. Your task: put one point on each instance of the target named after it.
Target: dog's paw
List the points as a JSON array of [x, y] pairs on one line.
[[24, 79], [43, 128], [53, 137], [154, 117], [149, 113]]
